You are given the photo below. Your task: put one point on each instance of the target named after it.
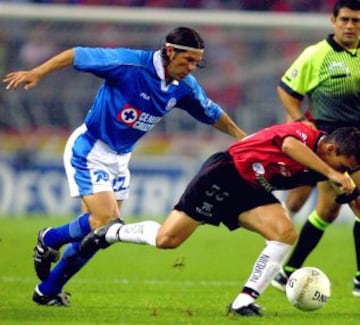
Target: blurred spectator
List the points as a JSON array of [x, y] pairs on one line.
[[38, 48], [253, 5]]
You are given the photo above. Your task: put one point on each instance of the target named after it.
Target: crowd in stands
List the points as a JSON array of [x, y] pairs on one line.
[[236, 71], [255, 5]]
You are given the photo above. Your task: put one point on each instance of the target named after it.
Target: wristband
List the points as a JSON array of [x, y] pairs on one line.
[[347, 198], [301, 119]]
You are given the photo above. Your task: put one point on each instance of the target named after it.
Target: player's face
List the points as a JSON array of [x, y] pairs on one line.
[[182, 63], [341, 163], [347, 28]]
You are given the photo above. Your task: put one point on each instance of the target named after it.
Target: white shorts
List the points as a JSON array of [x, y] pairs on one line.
[[92, 167]]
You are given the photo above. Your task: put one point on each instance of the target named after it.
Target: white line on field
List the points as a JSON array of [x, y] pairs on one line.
[[207, 283]]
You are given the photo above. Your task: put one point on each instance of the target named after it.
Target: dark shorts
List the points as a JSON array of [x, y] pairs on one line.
[[217, 194]]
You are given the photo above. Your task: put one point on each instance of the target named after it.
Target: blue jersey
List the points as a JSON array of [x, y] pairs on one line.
[[134, 96]]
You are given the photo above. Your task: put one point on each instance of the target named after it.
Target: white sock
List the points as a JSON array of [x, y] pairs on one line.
[[112, 234], [242, 300], [265, 268], [141, 233]]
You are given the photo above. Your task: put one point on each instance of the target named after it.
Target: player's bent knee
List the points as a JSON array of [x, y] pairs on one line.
[[289, 236], [167, 242], [96, 222], [286, 235]]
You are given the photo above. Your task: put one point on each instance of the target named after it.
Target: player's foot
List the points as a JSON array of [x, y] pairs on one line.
[[60, 299], [279, 282], [245, 311], [44, 256], [96, 239], [356, 289]]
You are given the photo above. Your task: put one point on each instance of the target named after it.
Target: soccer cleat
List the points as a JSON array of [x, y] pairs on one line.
[[280, 280], [356, 289], [44, 256], [60, 299], [96, 239], [245, 311]]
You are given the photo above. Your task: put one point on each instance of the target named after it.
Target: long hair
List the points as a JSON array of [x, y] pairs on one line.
[[185, 36]]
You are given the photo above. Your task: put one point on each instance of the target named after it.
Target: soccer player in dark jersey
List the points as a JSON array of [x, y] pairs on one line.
[[140, 87], [234, 188], [328, 73]]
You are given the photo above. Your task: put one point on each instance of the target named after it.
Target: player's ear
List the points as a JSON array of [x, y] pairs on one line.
[[169, 50], [331, 147], [333, 19]]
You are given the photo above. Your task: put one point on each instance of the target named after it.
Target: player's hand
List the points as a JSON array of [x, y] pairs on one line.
[[347, 198], [342, 183], [14, 79]]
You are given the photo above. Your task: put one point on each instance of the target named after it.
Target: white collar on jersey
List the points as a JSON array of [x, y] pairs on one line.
[[158, 64]]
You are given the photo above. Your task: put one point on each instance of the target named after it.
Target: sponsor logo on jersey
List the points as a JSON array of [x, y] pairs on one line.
[[302, 135], [258, 168], [129, 115], [137, 119], [338, 70]]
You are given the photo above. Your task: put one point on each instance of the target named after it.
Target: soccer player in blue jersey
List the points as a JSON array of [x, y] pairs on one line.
[[139, 88]]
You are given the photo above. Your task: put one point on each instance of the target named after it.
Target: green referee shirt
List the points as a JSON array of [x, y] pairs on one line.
[[330, 76]]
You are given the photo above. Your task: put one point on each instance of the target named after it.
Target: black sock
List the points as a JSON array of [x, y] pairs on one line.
[[356, 233], [307, 241]]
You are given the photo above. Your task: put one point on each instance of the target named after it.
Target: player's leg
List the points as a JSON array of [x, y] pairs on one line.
[[178, 225], [356, 233], [104, 207], [273, 223], [101, 177], [49, 241], [325, 213], [296, 198], [176, 228]]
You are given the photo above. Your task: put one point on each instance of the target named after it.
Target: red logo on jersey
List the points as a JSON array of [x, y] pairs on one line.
[[129, 115]]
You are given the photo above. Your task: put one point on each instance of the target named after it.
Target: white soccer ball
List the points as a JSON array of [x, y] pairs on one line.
[[308, 288]]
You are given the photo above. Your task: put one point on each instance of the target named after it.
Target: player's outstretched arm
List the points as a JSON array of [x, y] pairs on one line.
[[228, 126], [31, 77]]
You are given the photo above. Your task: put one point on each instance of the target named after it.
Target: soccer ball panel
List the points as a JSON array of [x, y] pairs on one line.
[[308, 289]]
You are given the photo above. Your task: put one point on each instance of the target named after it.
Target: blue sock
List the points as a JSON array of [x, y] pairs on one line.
[[70, 263], [72, 231]]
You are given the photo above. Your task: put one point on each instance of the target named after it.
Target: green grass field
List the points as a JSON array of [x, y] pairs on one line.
[[130, 284]]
